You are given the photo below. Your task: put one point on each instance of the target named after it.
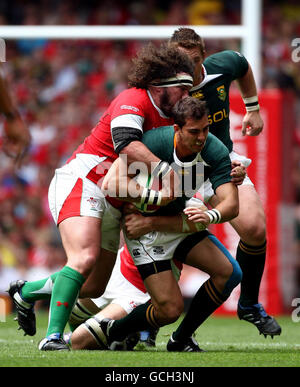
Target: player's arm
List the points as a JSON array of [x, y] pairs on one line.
[[137, 225], [137, 151], [252, 123], [127, 135], [193, 219], [17, 137], [238, 172], [227, 208], [119, 183]]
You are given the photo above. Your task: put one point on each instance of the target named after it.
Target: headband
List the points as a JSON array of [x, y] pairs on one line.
[[179, 80]]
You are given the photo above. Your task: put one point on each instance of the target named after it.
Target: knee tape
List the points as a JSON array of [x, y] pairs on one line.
[[79, 314], [92, 325]]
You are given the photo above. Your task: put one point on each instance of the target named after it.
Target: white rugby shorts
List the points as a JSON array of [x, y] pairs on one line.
[[72, 194], [154, 246], [121, 292]]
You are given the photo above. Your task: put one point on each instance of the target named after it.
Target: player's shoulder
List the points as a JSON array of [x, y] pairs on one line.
[[132, 95], [214, 148], [160, 141], [166, 131], [213, 141], [224, 60], [131, 100], [159, 137], [223, 55], [134, 102], [231, 64]]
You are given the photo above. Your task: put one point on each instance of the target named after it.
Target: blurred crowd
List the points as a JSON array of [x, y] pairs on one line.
[[62, 87]]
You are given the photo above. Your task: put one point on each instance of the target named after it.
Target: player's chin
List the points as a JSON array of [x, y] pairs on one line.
[[198, 148]]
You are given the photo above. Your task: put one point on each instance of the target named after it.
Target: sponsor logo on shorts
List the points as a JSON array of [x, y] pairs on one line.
[[136, 252], [158, 250]]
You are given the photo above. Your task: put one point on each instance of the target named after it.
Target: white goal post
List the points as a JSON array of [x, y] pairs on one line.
[[249, 32]]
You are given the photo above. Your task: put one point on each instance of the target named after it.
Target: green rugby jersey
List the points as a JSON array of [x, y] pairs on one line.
[[211, 163], [219, 71]]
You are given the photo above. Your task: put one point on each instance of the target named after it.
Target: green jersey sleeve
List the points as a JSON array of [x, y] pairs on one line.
[[228, 62]]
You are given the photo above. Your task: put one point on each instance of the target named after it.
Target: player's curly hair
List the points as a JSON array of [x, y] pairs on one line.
[[188, 107], [154, 63], [187, 38]]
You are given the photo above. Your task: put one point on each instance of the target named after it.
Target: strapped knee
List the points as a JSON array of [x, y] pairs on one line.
[[79, 314], [92, 325]]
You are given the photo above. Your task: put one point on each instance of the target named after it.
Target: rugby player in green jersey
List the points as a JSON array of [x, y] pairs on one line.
[[192, 151], [212, 80]]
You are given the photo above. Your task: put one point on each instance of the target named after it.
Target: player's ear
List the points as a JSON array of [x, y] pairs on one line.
[[176, 128], [155, 90]]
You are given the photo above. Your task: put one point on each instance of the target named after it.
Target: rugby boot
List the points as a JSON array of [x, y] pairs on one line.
[[25, 310], [113, 345], [256, 315], [53, 342], [131, 341], [188, 345], [148, 338]]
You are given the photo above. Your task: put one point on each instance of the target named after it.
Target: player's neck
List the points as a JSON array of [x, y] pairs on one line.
[[182, 152], [198, 78]]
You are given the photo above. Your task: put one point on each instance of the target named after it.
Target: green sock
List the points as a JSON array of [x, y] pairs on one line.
[[64, 294], [38, 290], [141, 318], [252, 262]]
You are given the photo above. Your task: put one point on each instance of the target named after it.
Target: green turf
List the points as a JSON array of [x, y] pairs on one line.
[[228, 343]]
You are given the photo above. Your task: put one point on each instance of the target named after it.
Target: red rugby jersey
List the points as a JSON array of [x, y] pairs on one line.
[[131, 108]]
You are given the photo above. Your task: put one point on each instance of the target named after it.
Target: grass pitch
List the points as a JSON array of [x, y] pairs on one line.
[[228, 342]]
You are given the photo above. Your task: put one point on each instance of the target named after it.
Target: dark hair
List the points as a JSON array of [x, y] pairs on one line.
[[154, 63], [188, 38], [188, 107]]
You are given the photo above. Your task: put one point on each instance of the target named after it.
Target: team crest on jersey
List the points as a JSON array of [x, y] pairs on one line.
[[198, 94], [221, 92]]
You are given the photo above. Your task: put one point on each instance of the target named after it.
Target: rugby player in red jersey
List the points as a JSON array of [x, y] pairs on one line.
[[160, 76]]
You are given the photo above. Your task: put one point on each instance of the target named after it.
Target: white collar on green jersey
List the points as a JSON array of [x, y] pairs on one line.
[[206, 78], [187, 164]]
